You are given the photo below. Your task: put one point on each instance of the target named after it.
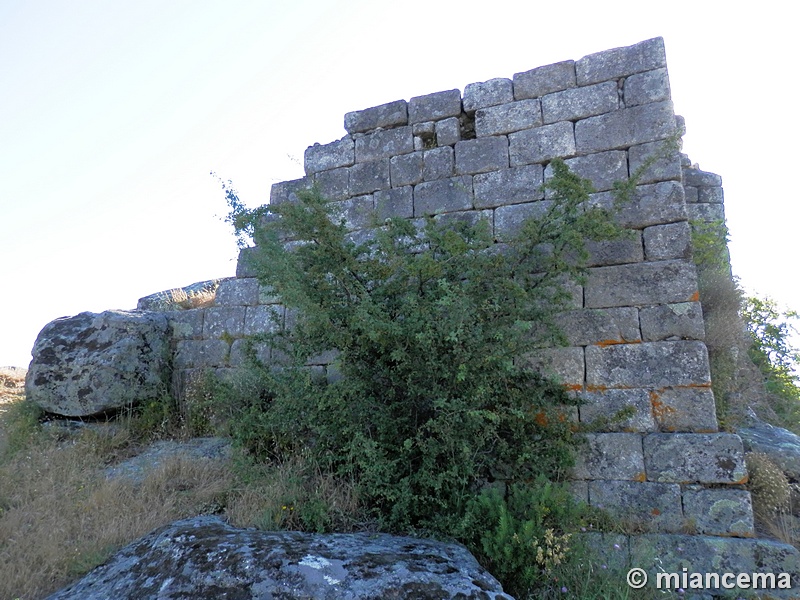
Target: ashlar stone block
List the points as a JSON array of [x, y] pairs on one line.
[[445, 195], [609, 404], [237, 292], [707, 213], [438, 163], [369, 177], [542, 144], [664, 164], [614, 456], [719, 512], [649, 364], [384, 144], [385, 115], [263, 319], [688, 409], [627, 249], [223, 321], [698, 178], [580, 102], [201, 353], [621, 62], [397, 202], [694, 458], [682, 320], [600, 326], [506, 118], [643, 88], [447, 131], [544, 80], [508, 219], [487, 93], [647, 505], [286, 191], [481, 155], [434, 107], [186, 324], [710, 195], [333, 184], [564, 364], [641, 284], [405, 169], [652, 204], [625, 127], [357, 213], [508, 186], [321, 157], [602, 169], [665, 242]]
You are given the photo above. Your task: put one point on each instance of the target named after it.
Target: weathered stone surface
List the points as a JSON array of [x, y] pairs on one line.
[[470, 217], [600, 326], [641, 284], [602, 169], [564, 364], [683, 320], [223, 321], [369, 177], [438, 163], [684, 409], [238, 353], [608, 404], [781, 445], [487, 93], [643, 88], [397, 202], [506, 118], [405, 169], [662, 555], [665, 166], [707, 213], [625, 127], [719, 512], [196, 295], [357, 213], [691, 194], [333, 184], [665, 242], [286, 191], [186, 324], [263, 319], [541, 144], [698, 178], [647, 505], [329, 156], [385, 115], [508, 219], [581, 102], [544, 80], [710, 195], [203, 557], [92, 363], [621, 62], [627, 249], [508, 186], [237, 292], [694, 457], [156, 454], [447, 131], [444, 195], [434, 107], [614, 456], [649, 364], [384, 144], [246, 263], [652, 204], [481, 155]]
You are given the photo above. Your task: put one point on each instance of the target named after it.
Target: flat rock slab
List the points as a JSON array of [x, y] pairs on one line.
[[781, 445], [94, 363], [203, 557], [137, 467]]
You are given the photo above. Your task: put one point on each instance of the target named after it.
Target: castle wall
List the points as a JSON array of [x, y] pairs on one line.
[[636, 328]]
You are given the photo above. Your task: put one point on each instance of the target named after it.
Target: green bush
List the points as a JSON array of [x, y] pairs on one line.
[[429, 324]]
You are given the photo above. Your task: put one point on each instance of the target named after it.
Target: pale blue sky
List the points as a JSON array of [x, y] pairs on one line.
[[113, 113]]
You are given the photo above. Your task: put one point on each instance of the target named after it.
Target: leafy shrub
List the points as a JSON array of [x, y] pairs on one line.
[[429, 324]]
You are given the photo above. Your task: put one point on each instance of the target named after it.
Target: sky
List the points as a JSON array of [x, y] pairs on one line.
[[113, 114]]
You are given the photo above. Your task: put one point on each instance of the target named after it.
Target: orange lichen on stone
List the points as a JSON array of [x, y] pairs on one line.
[[660, 410], [655, 512], [596, 388], [695, 297], [641, 477], [742, 481], [573, 387], [606, 343]]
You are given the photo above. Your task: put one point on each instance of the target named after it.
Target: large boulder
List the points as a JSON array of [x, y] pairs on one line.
[[94, 363], [203, 557]]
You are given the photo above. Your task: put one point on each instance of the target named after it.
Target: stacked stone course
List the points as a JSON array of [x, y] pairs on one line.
[[635, 331]]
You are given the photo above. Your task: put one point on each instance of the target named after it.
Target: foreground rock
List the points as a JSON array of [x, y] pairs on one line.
[[781, 445], [94, 363], [203, 557]]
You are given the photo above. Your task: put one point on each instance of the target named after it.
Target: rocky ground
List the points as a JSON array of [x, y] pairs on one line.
[[12, 387]]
